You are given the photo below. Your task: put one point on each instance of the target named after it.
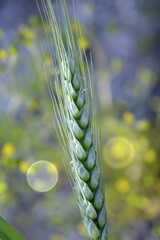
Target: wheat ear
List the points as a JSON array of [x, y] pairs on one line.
[[77, 128]]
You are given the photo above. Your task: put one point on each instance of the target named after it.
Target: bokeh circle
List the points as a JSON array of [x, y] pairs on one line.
[[42, 176], [119, 152]]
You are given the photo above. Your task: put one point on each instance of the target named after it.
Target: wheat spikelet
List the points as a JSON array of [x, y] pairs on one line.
[[77, 127]]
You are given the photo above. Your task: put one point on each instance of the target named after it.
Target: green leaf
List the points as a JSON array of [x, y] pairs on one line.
[[7, 232]]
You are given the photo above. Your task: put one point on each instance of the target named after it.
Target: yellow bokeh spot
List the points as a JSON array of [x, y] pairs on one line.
[[58, 219], [28, 32], [8, 149], [12, 50], [128, 117], [83, 43], [24, 167], [119, 152], [34, 104], [145, 75], [116, 65], [2, 187], [34, 20], [47, 58], [81, 229], [56, 237], [3, 54], [123, 185], [150, 156], [143, 125], [51, 170]]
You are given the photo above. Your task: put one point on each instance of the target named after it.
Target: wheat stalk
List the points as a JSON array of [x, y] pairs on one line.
[[77, 127]]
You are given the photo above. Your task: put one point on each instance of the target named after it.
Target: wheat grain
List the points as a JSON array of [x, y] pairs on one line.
[[75, 107]]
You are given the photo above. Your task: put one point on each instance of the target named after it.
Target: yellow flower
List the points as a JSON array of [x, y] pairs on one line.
[[81, 228], [123, 185], [8, 149], [3, 54], [24, 166], [83, 43], [150, 156], [128, 117]]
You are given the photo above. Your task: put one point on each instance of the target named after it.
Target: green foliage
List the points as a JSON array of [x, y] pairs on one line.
[[7, 232]]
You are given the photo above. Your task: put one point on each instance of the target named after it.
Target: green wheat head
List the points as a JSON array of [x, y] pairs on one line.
[[77, 127]]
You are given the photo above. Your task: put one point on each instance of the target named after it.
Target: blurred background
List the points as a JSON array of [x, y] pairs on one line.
[[124, 38]]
